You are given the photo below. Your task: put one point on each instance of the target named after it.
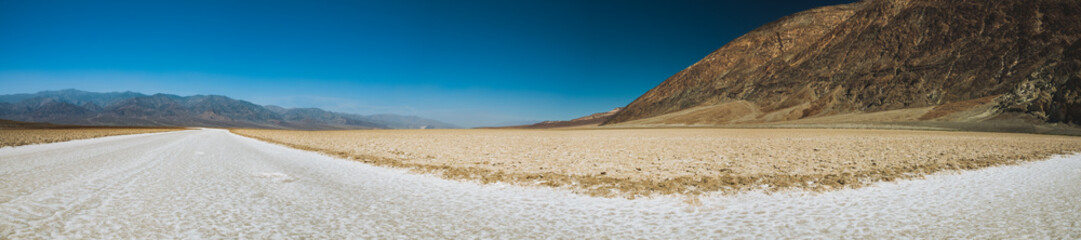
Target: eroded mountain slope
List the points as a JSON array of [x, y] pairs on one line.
[[952, 60]]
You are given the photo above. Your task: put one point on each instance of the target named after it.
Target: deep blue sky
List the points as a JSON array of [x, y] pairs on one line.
[[465, 62]]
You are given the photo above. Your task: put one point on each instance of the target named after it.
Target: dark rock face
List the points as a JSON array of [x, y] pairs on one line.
[[134, 109], [891, 54]]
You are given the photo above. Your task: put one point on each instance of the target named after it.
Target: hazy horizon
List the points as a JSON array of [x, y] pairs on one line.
[[470, 64]]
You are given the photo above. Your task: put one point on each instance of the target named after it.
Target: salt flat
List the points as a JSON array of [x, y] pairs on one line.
[[643, 162], [211, 183]]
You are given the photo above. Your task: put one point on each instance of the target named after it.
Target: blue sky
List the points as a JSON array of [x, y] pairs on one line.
[[471, 63]]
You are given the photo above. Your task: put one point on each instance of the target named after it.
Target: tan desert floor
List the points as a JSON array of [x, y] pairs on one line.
[[19, 137], [642, 162]]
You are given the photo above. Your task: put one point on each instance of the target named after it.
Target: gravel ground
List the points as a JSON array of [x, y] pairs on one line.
[[19, 137], [641, 162]]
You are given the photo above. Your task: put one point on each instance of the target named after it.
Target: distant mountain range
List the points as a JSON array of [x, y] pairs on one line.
[[136, 109]]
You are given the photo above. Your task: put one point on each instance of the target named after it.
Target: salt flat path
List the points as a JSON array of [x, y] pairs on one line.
[[213, 184]]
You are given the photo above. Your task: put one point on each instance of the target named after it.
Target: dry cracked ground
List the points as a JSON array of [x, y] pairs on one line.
[[19, 137], [642, 162]]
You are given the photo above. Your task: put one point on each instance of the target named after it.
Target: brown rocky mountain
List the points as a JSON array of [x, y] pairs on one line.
[[885, 60], [594, 119]]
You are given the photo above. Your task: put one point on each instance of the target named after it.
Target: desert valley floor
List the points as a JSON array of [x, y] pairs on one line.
[[641, 162], [212, 183]]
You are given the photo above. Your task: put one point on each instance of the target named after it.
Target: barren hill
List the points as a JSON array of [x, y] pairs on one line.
[[885, 60], [592, 120]]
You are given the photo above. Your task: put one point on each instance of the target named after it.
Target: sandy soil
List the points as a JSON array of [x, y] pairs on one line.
[[19, 137], [210, 184], [642, 162]]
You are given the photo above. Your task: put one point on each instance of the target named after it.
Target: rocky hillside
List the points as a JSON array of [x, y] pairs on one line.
[[592, 120], [904, 60], [136, 109]]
